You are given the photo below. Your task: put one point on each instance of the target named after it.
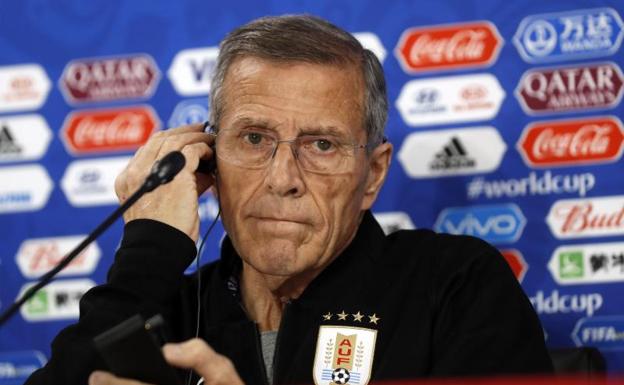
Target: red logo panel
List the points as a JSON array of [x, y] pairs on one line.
[[109, 130], [516, 262], [452, 46], [572, 142]]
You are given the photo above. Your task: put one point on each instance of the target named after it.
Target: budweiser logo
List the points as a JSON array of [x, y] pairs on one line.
[[581, 217], [91, 80], [570, 88], [46, 256], [587, 217], [36, 256], [452, 46], [571, 142], [109, 130]]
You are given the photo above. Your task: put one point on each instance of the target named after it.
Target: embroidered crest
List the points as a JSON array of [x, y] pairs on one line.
[[344, 355]]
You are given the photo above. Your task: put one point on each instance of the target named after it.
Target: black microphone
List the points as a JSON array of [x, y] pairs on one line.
[[162, 172]]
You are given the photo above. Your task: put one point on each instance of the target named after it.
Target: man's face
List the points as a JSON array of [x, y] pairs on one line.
[[284, 221]]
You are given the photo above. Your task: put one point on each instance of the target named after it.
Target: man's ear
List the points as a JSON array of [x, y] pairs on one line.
[[379, 163]]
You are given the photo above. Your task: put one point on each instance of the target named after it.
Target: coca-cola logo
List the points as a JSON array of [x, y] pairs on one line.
[[575, 218], [109, 130], [102, 79], [572, 142], [578, 87], [454, 46]]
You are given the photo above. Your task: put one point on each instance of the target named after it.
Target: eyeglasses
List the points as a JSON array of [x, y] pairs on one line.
[[254, 149]]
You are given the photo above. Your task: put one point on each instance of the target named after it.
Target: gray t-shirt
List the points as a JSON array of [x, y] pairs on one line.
[[268, 350]]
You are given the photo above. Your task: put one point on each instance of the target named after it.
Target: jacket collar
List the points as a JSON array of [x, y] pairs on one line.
[[363, 250]]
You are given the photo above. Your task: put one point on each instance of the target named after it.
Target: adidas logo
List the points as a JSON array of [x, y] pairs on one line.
[[7, 142], [452, 156]]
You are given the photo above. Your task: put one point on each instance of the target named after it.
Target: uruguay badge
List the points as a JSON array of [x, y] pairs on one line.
[[344, 355]]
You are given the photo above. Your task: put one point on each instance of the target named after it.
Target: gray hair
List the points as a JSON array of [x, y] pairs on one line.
[[304, 38]]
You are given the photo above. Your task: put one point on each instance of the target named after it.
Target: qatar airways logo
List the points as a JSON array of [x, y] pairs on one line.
[[579, 218], [569, 88], [451, 46], [113, 78]]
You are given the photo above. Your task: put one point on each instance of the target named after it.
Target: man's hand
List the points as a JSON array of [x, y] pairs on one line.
[[193, 354], [176, 202]]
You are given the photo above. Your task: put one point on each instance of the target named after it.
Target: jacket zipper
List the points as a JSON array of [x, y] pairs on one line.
[[265, 379], [280, 331]]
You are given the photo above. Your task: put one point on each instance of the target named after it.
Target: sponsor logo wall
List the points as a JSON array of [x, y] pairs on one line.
[[506, 122]]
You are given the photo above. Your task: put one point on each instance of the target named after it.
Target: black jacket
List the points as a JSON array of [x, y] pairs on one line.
[[446, 306]]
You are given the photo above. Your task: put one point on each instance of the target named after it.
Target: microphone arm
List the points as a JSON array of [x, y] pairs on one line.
[[162, 172]]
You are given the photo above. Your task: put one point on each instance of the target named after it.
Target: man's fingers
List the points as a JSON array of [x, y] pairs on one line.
[[193, 153], [161, 145], [105, 378], [197, 355], [158, 146], [197, 127], [183, 135]]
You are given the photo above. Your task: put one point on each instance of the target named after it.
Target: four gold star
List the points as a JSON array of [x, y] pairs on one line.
[[374, 318]]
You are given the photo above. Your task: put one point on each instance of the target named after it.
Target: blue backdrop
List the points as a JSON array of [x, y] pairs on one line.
[[505, 117]]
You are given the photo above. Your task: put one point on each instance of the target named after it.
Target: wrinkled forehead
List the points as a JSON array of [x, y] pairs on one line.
[[331, 90]]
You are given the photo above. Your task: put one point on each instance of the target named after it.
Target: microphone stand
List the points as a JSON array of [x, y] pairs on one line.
[[162, 172]]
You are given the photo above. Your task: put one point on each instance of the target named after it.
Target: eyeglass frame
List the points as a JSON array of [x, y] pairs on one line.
[[212, 129]]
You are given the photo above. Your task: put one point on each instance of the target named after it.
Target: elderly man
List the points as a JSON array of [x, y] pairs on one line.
[[308, 288]]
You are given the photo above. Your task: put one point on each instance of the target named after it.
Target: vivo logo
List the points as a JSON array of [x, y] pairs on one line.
[[191, 70], [493, 223]]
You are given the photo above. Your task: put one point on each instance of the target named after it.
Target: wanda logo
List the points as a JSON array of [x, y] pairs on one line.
[[453, 46], [109, 130], [571, 142]]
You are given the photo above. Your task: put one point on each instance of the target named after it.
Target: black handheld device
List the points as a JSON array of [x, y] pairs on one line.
[[208, 166], [132, 350]]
